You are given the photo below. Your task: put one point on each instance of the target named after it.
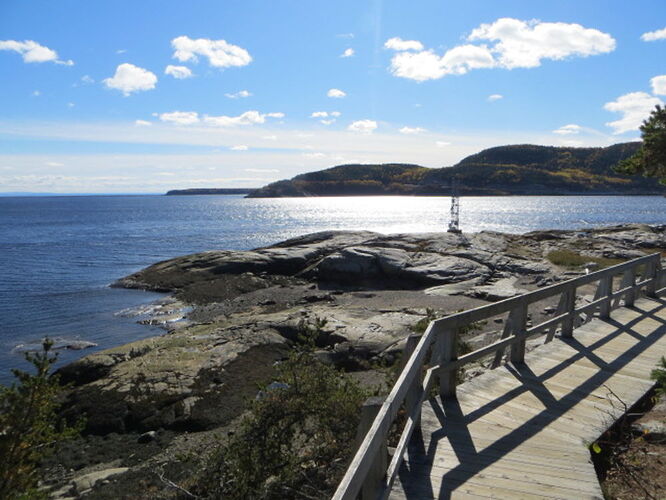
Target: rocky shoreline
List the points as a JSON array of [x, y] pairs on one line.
[[245, 310]]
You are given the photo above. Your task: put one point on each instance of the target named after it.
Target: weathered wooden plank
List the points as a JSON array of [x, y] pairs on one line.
[[521, 460], [584, 480], [433, 486]]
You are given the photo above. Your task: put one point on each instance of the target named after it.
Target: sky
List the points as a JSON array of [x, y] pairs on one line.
[[142, 97]]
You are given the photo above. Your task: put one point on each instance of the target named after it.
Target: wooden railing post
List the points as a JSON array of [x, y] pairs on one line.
[[447, 345], [518, 323], [375, 477], [629, 279], [413, 396], [652, 273], [605, 291], [570, 308]]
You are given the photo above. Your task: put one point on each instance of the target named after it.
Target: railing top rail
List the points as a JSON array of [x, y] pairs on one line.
[[489, 310]]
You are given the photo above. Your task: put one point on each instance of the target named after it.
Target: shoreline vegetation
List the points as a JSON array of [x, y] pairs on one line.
[[501, 171], [160, 410]]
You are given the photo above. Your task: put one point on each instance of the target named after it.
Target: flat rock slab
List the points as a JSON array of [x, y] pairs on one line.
[[504, 288]]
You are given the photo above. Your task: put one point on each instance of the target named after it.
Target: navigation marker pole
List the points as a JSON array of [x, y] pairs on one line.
[[454, 223]]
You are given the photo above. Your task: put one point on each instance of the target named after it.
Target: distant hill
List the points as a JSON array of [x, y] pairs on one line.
[[181, 192], [519, 169]]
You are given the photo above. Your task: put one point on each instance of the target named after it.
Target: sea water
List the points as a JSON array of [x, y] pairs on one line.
[[58, 254]]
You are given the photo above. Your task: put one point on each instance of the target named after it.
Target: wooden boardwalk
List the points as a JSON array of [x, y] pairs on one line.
[[519, 430], [523, 430]]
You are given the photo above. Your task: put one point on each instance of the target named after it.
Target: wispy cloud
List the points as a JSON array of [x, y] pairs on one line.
[[239, 94], [220, 53], [178, 72], [33, 52], [336, 93], [652, 36]]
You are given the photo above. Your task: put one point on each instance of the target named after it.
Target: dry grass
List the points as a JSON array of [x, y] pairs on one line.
[[570, 259]]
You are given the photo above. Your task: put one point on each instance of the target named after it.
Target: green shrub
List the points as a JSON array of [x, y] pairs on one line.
[[295, 441], [659, 374], [29, 425]]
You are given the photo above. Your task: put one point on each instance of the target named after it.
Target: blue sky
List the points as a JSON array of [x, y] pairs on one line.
[[147, 96]]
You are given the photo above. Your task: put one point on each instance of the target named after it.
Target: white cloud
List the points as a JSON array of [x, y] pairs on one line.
[[572, 128], [313, 156], [129, 78], [411, 130], [652, 36], [327, 122], [36, 93], [32, 52], [87, 79], [270, 137], [442, 144], [400, 44], [240, 147], [121, 51], [523, 44], [347, 53], [180, 117], [513, 44], [319, 114], [220, 53], [634, 108], [70, 104], [248, 118], [495, 97], [426, 65], [363, 126], [336, 93], [658, 84], [335, 113], [261, 170], [54, 164], [179, 72], [239, 94], [345, 35], [142, 123]]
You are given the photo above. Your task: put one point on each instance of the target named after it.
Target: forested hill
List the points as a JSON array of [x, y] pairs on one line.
[[519, 169]]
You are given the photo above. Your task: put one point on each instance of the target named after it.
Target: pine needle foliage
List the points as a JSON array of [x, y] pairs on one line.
[[650, 160], [29, 426]]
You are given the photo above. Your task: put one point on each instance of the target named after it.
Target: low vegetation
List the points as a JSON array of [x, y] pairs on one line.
[[296, 438], [659, 376], [29, 426], [570, 259], [631, 460]]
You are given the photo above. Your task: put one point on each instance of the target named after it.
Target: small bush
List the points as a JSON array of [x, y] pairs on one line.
[[659, 374], [295, 441], [29, 425]]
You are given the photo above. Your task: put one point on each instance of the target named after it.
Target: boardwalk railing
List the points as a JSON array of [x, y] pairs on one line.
[[434, 355]]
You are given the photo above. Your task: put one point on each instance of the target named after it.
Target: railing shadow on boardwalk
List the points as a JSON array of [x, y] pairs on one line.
[[454, 423]]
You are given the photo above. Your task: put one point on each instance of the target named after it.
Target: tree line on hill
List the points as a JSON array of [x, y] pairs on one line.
[[504, 170]]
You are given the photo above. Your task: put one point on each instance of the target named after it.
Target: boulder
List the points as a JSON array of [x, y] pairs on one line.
[[401, 268]]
